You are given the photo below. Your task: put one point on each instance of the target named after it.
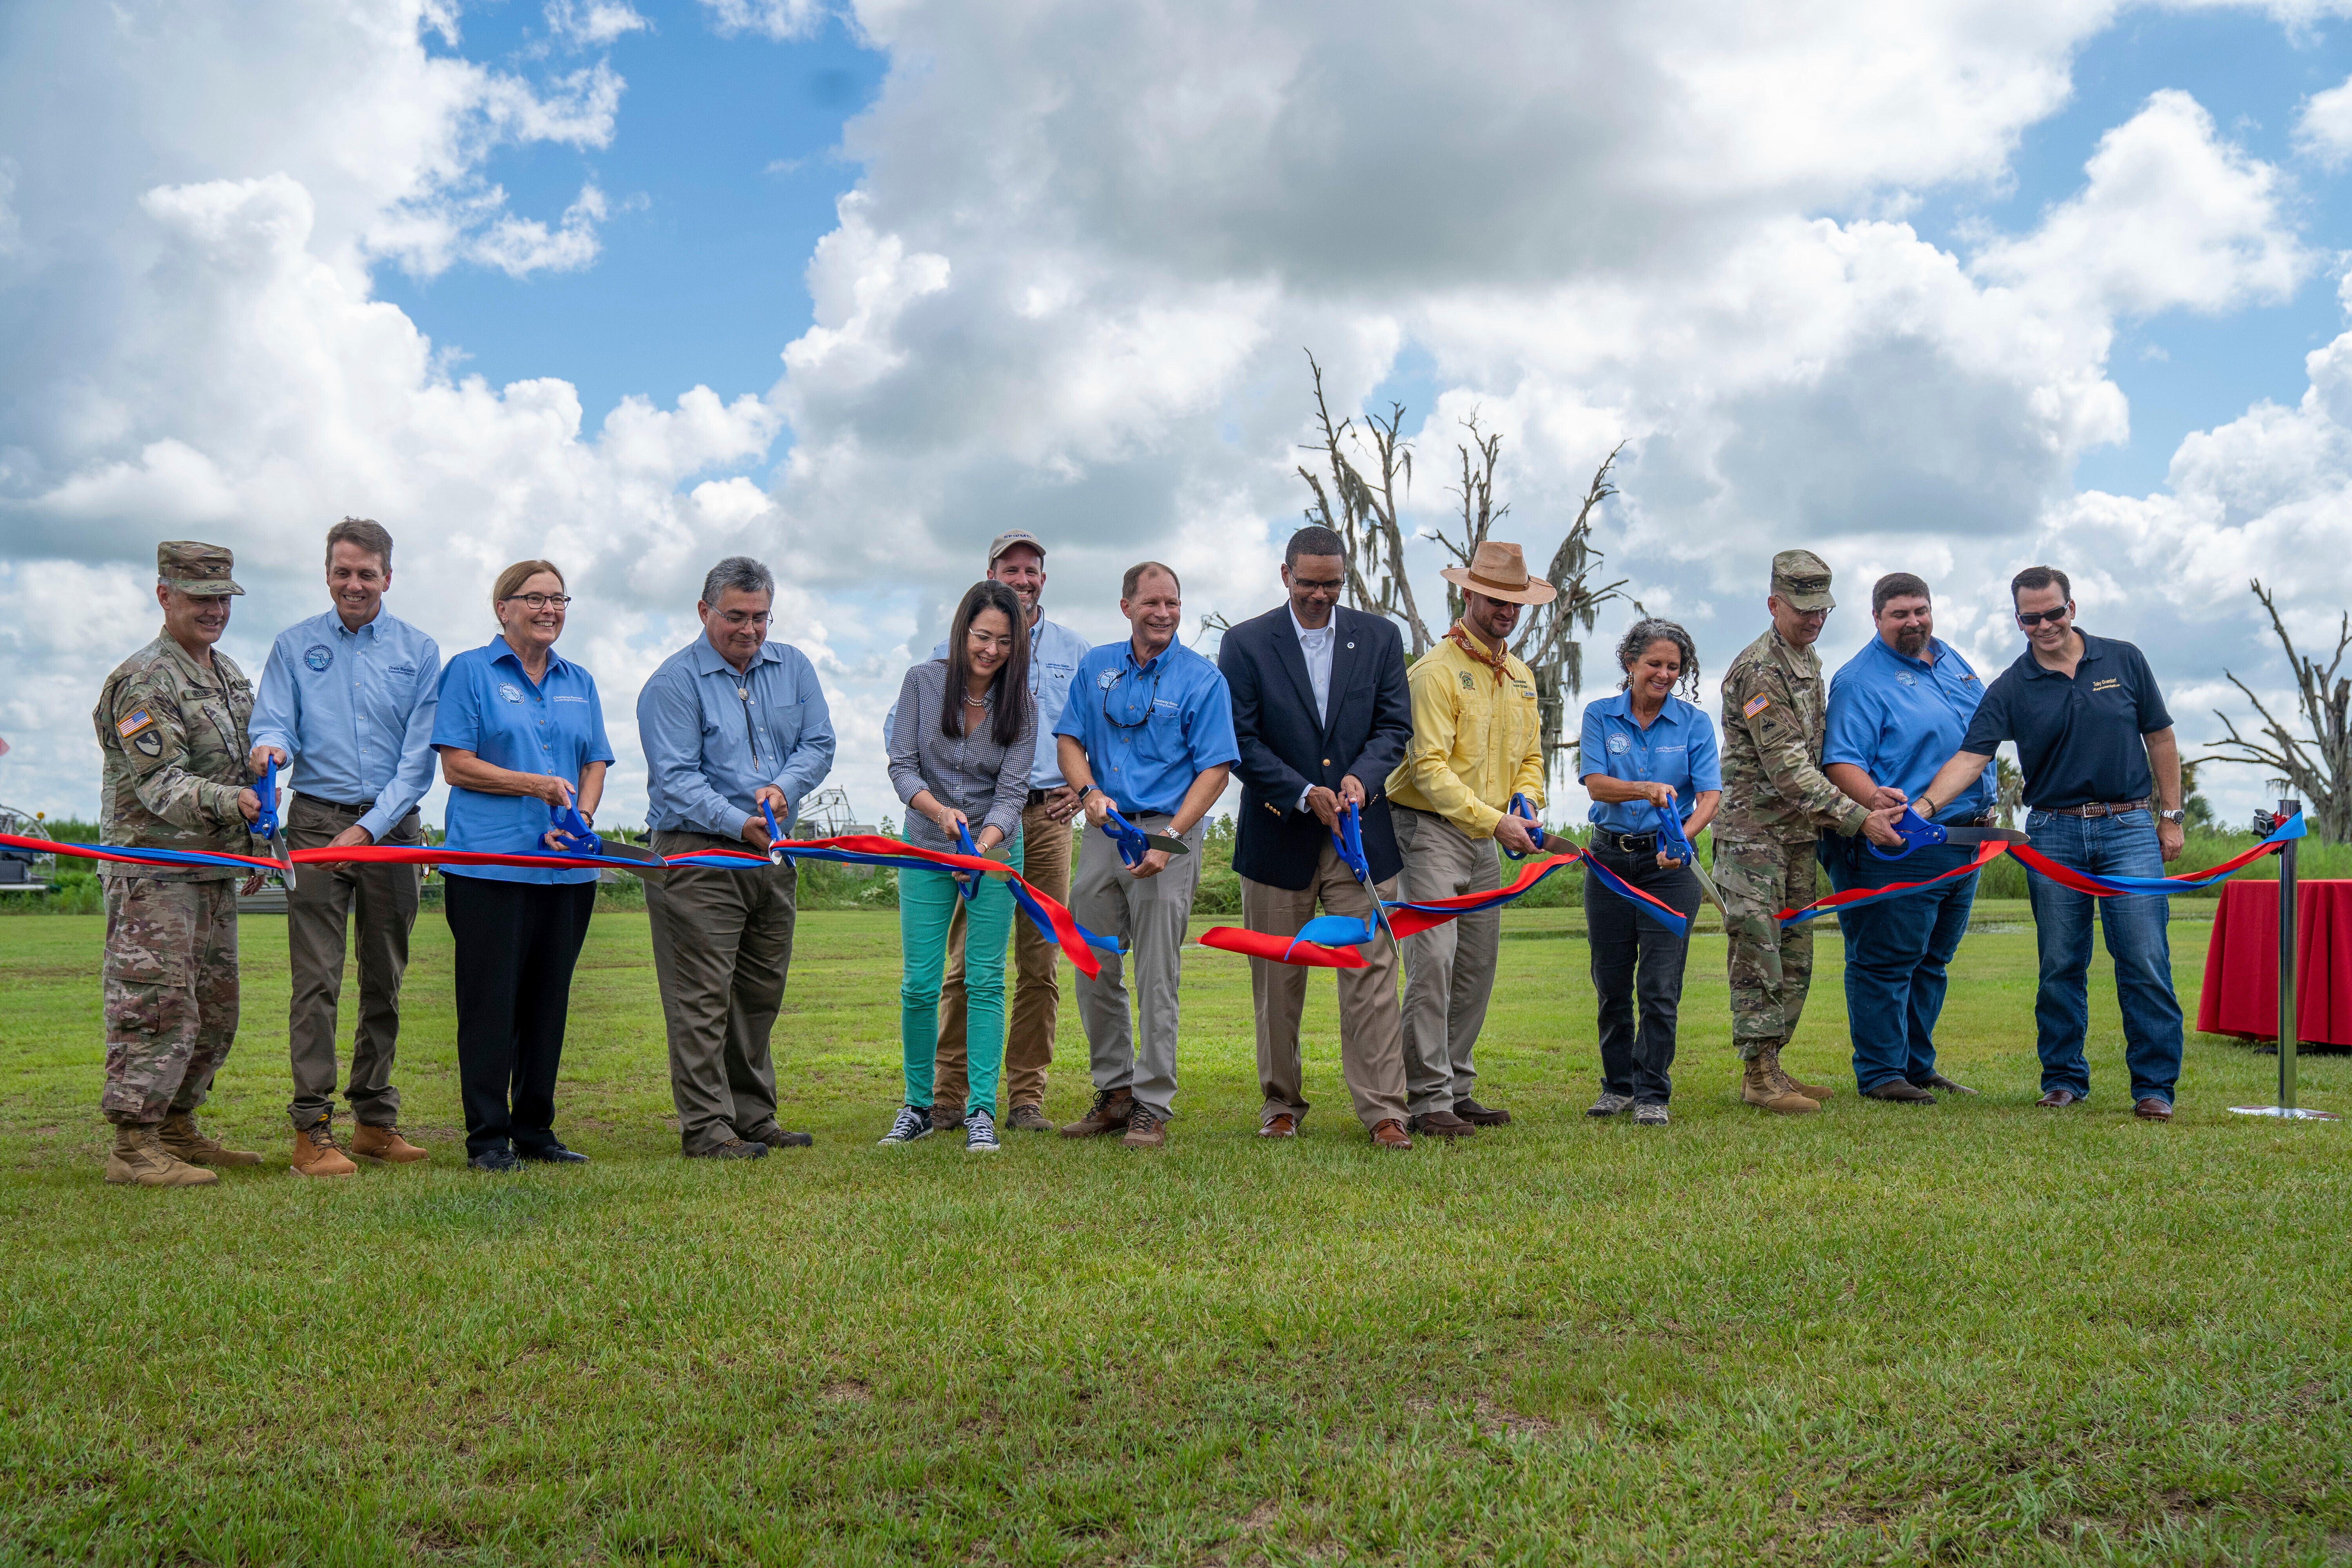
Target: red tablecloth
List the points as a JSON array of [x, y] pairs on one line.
[[2242, 962]]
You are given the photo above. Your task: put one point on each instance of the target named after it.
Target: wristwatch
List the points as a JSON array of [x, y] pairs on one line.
[[2172, 817]]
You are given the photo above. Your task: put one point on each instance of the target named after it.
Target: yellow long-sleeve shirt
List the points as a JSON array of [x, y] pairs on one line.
[[1476, 739]]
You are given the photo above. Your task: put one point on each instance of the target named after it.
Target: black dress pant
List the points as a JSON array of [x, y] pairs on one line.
[[516, 942], [1635, 958]]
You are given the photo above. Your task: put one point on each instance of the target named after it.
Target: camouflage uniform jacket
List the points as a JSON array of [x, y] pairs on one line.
[[1775, 708], [174, 737]]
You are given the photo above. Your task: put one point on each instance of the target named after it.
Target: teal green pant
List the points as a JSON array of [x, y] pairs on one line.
[[927, 901]]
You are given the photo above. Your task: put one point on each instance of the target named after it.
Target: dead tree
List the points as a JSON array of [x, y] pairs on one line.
[[1365, 518], [2317, 766]]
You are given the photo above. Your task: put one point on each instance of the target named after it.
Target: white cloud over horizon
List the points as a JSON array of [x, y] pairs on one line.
[[1069, 290]]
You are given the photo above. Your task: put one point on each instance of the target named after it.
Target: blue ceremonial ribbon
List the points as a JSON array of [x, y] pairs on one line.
[[967, 885], [775, 835]]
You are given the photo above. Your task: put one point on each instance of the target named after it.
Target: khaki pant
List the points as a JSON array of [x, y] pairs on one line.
[[1149, 914], [1371, 1029], [1449, 969], [170, 983], [1037, 987], [722, 944], [324, 901]]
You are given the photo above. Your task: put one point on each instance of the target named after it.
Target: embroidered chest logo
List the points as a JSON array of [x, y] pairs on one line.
[[1904, 677], [1106, 679], [319, 657], [1468, 683], [507, 690], [2105, 685], [1619, 745], [1755, 705]]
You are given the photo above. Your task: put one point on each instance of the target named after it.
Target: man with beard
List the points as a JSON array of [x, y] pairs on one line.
[[1476, 742], [1898, 709]]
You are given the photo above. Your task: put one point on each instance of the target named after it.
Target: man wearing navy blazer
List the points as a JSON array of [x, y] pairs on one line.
[[1320, 707]]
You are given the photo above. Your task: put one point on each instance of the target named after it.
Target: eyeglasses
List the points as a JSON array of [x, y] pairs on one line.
[[2029, 619], [538, 601], [1115, 721], [1328, 585]]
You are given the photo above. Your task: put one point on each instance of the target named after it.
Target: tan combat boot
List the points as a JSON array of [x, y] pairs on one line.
[[181, 1136], [384, 1146], [315, 1153], [139, 1160], [1811, 1091], [1762, 1085]]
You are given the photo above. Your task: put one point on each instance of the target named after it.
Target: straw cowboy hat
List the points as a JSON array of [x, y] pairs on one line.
[[1500, 571]]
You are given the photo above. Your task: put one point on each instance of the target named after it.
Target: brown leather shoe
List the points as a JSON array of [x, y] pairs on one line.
[[315, 1153], [1109, 1115], [1029, 1118], [183, 1139], [1440, 1124], [1145, 1131], [1478, 1115], [945, 1118], [2059, 1099], [1943, 1085], [1282, 1124], [2153, 1110], [384, 1146], [1390, 1134], [1901, 1091]]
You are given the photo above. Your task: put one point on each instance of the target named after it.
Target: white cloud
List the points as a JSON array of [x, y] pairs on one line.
[[782, 20], [521, 247], [592, 23]]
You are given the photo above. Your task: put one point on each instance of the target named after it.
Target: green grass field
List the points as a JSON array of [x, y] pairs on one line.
[[1971, 1332]]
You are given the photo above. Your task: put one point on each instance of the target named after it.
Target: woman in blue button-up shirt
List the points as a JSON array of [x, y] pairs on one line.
[[521, 734], [1644, 750]]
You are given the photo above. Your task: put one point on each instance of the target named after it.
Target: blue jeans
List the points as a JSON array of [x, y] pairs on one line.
[[1896, 956], [927, 903], [2121, 846]]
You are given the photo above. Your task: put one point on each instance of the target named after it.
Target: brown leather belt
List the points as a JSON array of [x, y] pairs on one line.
[[2106, 808]]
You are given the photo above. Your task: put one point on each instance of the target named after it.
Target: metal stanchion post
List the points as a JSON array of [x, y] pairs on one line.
[[2285, 1107]]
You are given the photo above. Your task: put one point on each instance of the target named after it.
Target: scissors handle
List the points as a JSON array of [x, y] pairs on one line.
[[1521, 806], [1917, 832]]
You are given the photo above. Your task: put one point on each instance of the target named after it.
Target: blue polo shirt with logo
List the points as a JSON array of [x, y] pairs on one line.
[[2079, 738], [1899, 719], [1676, 750], [556, 725], [1150, 730]]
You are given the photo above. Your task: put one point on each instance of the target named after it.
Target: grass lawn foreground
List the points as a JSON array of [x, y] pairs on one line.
[[1972, 1332]]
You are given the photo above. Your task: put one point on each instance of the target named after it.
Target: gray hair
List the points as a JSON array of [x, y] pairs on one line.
[[741, 574], [1651, 629]]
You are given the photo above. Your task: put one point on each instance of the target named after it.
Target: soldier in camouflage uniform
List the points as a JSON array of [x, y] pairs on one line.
[[171, 722], [1775, 803]]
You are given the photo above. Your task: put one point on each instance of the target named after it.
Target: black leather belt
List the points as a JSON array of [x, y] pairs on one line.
[[359, 808], [2098, 808], [1626, 843], [1036, 798]]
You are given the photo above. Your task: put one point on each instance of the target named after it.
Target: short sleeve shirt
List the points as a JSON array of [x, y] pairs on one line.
[[491, 707], [1676, 750], [2078, 739], [1900, 719], [1150, 730]]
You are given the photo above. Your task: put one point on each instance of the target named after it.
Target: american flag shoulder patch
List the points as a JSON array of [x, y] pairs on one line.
[[1755, 705], [133, 723]]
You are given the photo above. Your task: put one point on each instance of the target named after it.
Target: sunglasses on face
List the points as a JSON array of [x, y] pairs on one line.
[[2029, 619]]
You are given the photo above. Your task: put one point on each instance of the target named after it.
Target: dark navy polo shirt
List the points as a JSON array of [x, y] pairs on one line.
[[2078, 740]]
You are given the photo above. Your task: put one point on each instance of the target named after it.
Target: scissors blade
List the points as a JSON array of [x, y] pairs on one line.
[[1162, 841], [1984, 836], [623, 850]]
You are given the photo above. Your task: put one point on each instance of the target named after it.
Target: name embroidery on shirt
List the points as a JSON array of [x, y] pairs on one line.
[[2105, 685], [405, 671], [564, 699]]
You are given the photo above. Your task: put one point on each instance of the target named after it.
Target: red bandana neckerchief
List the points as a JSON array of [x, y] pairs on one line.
[[1499, 663]]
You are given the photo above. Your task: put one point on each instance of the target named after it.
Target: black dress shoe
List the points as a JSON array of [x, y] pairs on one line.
[[497, 1162], [552, 1154], [1479, 1115], [1900, 1091]]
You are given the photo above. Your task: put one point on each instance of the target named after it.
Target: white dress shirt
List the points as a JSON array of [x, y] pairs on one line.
[[1316, 648]]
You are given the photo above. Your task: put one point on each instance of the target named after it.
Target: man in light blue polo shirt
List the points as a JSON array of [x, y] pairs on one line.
[[347, 700], [728, 722], [1148, 728], [1897, 710]]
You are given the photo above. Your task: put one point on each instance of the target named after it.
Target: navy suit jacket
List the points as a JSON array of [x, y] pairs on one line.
[[1285, 746]]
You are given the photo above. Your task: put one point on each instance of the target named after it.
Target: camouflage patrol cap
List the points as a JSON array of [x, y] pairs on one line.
[[196, 568], [1802, 579]]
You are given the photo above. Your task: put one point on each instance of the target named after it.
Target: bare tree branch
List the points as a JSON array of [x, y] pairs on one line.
[[2318, 766]]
